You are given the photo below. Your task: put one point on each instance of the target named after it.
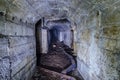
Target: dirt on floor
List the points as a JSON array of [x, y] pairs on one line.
[[54, 62]]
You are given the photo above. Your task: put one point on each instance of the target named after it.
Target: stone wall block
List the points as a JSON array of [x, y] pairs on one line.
[[4, 69], [3, 47]]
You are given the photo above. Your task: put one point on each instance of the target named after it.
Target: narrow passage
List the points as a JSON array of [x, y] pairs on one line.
[[57, 64]]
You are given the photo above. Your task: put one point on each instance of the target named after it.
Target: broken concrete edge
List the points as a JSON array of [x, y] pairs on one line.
[[71, 67], [53, 73]]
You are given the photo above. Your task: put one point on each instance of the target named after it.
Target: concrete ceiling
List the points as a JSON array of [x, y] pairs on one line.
[[32, 10]]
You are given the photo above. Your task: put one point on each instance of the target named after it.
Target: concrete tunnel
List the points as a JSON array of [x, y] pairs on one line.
[[87, 32]]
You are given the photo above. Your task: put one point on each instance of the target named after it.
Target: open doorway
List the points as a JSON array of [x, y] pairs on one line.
[[51, 31], [59, 30], [59, 35], [38, 40]]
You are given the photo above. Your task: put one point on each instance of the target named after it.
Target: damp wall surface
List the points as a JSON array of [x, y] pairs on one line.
[[17, 47], [96, 34], [97, 40]]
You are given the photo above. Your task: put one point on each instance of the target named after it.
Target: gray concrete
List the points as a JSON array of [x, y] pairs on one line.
[[96, 40], [44, 41], [17, 50]]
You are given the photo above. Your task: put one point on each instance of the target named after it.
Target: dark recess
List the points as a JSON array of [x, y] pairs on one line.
[[37, 28]]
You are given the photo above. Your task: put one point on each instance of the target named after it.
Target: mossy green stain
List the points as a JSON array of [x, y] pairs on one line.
[[2, 3], [114, 30]]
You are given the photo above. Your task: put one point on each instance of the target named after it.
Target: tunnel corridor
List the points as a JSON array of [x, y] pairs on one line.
[[57, 64], [60, 39], [53, 31], [58, 58]]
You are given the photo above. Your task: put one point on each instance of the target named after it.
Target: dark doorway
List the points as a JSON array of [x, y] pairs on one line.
[[38, 40]]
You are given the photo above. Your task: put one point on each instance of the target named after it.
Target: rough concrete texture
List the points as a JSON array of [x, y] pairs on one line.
[[17, 45], [97, 33], [97, 41]]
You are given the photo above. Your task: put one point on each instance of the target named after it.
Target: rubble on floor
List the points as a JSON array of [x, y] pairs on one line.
[[57, 64], [46, 74]]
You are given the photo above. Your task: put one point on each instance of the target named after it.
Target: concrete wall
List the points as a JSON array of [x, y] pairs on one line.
[[97, 40], [17, 49], [17, 36]]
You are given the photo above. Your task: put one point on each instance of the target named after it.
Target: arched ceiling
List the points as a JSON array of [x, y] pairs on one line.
[[32, 10]]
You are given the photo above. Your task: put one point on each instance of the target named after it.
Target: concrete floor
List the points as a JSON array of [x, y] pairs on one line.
[[54, 64]]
